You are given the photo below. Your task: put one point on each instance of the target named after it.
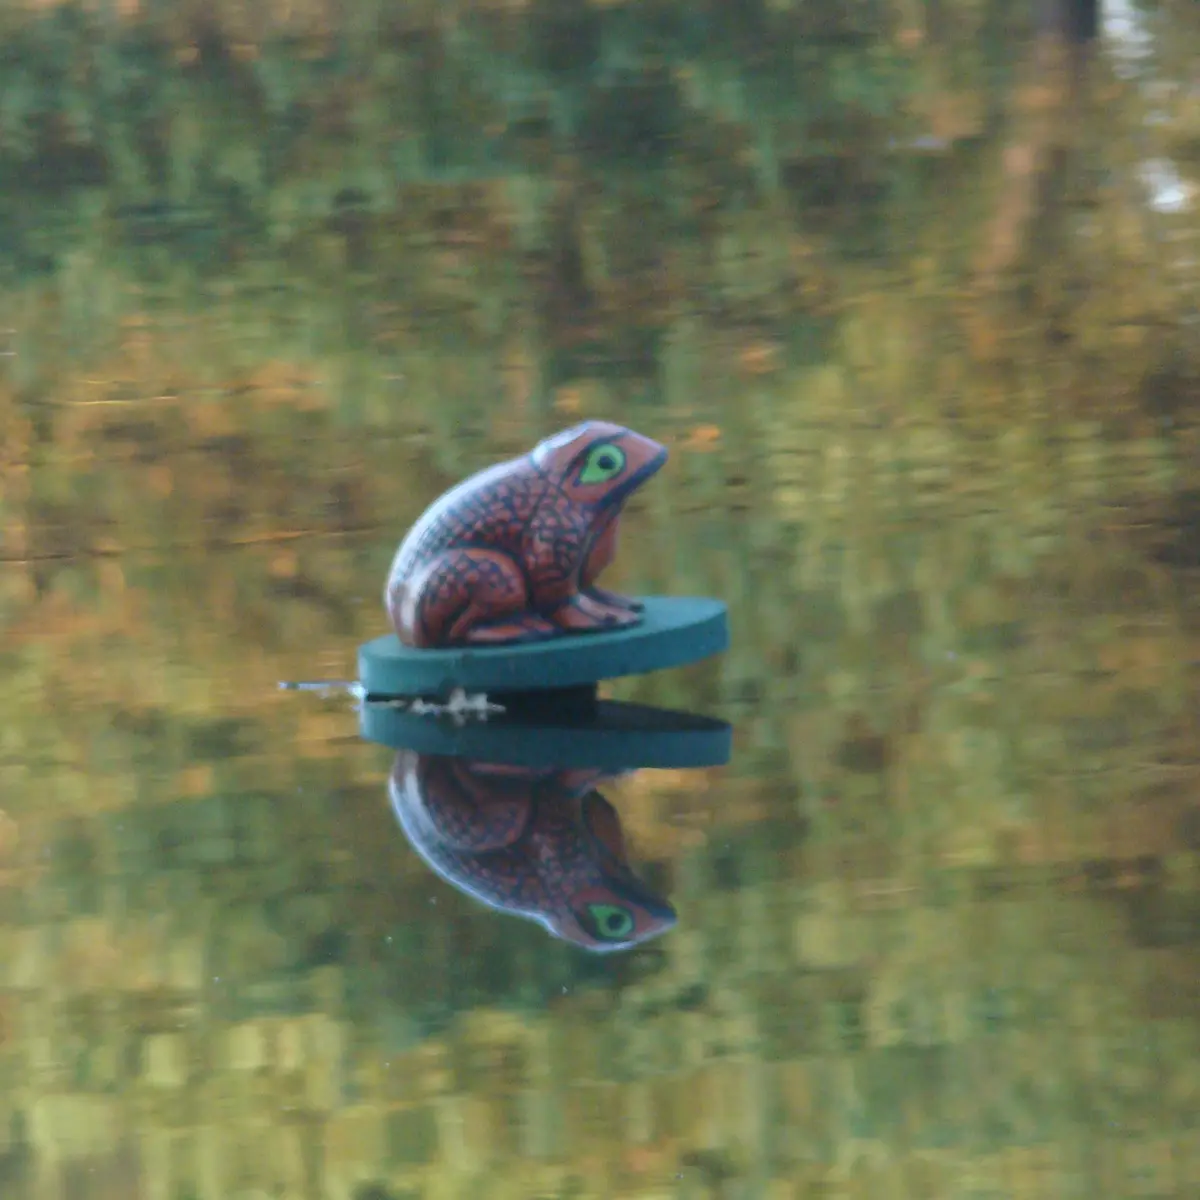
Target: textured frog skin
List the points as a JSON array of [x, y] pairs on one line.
[[544, 845], [512, 553]]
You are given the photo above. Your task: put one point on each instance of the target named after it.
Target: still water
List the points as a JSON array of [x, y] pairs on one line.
[[910, 292]]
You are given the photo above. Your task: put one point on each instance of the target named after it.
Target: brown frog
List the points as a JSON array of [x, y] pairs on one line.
[[512, 553], [540, 844]]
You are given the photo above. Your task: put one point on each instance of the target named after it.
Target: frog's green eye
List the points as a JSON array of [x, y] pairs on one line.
[[613, 922], [603, 463]]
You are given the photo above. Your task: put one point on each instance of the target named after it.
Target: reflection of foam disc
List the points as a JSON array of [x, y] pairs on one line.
[[612, 736], [674, 630]]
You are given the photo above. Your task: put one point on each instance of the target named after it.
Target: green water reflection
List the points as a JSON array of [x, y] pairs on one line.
[[888, 280]]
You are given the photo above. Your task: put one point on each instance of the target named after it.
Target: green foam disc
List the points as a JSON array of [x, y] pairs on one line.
[[674, 630], [612, 736]]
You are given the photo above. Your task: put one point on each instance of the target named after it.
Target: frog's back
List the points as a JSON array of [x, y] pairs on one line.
[[490, 509], [504, 878]]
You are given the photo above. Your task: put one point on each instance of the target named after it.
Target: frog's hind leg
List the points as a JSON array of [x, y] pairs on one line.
[[525, 627], [473, 596]]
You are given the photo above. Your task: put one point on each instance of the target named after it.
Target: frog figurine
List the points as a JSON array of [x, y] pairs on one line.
[[542, 844], [512, 553]]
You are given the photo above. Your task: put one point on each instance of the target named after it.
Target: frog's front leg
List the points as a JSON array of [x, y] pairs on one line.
[[599, 555], [559, 564], [614, 599], [556, 594], [580, 613]]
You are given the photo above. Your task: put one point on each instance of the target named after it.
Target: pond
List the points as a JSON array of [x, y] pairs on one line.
[[909, 291]]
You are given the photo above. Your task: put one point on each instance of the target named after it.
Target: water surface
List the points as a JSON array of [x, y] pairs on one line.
[[892, 284]]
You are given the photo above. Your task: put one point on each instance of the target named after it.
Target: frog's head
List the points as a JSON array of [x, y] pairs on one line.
[[606, 907], [597, 464]]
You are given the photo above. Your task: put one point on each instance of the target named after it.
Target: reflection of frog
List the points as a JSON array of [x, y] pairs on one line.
[[512, 553], [541, 844]]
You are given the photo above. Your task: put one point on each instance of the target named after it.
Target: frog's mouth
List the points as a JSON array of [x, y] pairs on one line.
[[607, 839], [617, 497]]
